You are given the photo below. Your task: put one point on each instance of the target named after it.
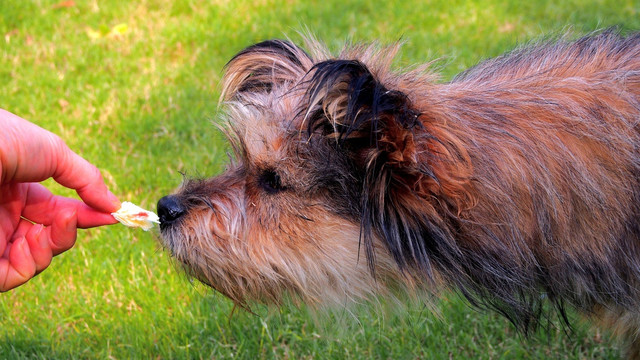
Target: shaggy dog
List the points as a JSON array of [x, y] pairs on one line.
[[516, 183]]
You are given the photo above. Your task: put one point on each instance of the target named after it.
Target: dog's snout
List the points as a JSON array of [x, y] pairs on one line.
[[170, 209]]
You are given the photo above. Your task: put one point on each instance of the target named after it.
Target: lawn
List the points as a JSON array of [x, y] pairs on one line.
[[133, 87]]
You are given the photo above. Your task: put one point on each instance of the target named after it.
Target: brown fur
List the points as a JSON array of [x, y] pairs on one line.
[[518, 178]]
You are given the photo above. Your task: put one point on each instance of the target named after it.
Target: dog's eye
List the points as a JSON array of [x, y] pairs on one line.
[[271, 182]]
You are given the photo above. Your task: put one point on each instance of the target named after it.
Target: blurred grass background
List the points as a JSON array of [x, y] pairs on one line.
[[133, 86]]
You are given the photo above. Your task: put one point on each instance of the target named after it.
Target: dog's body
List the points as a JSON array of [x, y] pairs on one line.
[[516, 182]]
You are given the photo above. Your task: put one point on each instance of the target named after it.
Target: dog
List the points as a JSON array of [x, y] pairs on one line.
[[517, 183]]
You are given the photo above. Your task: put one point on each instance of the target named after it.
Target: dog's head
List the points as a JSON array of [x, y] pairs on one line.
[[337, 185]]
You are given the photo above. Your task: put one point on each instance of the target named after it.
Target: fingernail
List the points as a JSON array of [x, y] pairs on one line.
[[42, 241], [23, 246], [113, 199], [72, 221], [39, 228]]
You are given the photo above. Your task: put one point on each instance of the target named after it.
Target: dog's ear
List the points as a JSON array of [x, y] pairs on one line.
[[376, 125], [391, 149], [262, 66]]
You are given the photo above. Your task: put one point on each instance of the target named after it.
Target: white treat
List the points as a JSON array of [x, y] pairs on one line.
[[134, 216]]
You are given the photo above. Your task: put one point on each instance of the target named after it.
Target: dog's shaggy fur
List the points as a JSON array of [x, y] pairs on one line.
[[516, 183]]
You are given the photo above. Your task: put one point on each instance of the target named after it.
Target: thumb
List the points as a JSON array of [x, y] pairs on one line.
[[29, 153], [74, 172]]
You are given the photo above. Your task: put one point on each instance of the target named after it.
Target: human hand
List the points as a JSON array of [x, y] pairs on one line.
[[36, 225]]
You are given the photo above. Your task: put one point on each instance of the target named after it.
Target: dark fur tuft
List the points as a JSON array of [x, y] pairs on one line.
[[368, 107], [375, 125], [258, 68]]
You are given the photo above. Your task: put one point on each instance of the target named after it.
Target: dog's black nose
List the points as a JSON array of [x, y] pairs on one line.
[[170, 209]]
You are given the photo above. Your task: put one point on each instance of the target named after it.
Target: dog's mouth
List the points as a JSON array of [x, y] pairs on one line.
[[173, 241], [169, 240], [170, 212], [166, 226]]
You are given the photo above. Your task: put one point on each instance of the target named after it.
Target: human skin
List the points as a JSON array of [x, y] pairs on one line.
[[36, 225]]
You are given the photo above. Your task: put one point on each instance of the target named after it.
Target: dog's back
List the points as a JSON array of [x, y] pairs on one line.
[[551, 136]]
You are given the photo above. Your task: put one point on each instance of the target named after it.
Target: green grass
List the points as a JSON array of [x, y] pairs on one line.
[[139, 106]]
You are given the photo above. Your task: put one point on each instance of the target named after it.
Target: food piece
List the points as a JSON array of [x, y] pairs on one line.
[[134, 216]]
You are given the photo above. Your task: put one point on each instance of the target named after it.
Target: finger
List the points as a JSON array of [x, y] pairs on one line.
[[4, 246], [39, 247], [77, 173], [37, 154], [88, 217], [22, 229], [11, 204], [63, 232], [41, 206], [30, 152], [16, 267]]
